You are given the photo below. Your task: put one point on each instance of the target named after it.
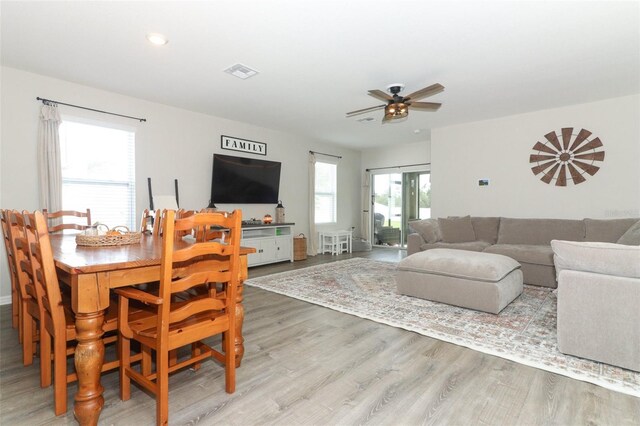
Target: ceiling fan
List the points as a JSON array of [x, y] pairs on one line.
[[397, 106]]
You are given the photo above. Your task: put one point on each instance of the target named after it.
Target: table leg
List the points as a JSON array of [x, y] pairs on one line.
[[239, 343], [89, 356]]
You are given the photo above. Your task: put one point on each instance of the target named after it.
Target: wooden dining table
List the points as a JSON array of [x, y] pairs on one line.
[[92, 272]]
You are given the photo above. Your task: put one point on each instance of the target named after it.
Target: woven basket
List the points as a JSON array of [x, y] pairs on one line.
[[300, 247], [122, 238]]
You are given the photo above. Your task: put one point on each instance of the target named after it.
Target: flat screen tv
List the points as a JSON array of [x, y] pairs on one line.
[[244, 180]]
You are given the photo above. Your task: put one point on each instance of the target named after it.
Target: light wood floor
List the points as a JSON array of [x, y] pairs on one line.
[[305, 364]]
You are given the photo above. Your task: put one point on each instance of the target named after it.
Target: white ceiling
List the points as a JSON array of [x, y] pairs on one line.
[[317, 59]]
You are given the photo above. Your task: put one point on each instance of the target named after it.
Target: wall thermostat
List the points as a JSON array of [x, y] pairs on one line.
[[483, 182]]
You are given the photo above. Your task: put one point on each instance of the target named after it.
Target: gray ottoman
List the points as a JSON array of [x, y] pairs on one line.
[[482, 281]]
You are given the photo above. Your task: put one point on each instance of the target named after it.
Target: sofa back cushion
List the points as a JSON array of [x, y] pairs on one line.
[[539, 231], [606, 230], [456, 229], [427, 228], [486, 228]]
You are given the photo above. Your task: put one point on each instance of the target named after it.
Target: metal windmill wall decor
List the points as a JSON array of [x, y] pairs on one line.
[[576, 154]]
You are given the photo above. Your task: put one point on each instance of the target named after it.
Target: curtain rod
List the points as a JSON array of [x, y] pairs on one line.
[[45, 101], [322, 153], [397, 167]]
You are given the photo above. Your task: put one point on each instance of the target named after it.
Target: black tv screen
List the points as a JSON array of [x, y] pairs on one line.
[[244, 180]]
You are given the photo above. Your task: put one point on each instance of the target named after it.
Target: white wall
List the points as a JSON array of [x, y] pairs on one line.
[[173, 143], [396, 155], [499, 150]]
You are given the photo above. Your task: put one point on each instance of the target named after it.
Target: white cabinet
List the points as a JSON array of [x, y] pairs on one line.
[[273, 243]]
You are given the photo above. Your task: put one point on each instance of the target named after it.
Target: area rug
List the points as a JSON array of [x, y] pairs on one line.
[[524, 332]]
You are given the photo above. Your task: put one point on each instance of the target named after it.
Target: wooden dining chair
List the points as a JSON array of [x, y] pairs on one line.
[[57, 320], [13, 274], [176, 324], [56, 220], [29, 309]]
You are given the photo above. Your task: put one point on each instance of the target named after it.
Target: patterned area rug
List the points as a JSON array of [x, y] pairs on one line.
[[524, 332]]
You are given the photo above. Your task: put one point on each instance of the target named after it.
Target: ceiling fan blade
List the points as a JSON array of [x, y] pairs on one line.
[[379, 94], [427, 91], [589, 168], [428, 106], [363, 110]]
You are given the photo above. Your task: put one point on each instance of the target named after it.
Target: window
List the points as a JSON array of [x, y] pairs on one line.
[[98, 172], [326, 192]]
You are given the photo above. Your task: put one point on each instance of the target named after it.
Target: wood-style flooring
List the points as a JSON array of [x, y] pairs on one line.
[[306, 364]]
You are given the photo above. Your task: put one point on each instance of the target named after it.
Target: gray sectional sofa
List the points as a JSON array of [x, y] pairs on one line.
[[526, 240]]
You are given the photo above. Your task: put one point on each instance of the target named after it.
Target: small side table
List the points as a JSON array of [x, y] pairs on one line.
[[335, 242]]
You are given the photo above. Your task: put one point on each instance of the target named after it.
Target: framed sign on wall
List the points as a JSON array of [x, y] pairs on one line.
[[243, 145]]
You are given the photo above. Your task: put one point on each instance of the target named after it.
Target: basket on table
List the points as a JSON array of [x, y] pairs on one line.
[[113, 237], [300, 247]]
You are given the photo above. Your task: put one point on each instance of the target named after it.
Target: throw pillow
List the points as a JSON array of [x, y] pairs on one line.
[[456, 229], [427, 228], [632, 236]]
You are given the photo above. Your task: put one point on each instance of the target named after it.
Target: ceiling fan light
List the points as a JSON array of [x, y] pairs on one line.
[[396, 110]]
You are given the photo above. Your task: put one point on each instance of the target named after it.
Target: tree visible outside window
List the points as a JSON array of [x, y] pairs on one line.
[[326, 196], [98, 172]]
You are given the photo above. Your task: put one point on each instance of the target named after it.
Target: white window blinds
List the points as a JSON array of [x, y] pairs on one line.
[[326, 197], [98, 172]]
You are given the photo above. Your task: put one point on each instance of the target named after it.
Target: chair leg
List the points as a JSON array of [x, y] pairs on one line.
[[45, 358], [162, 387], [20, 328], [60, 374], [27, 341], [124, 355], [173, 357], [195, 351], [229, 361], [145, 363]]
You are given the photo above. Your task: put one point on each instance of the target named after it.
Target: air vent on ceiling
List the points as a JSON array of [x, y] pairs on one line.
[[362, 120], [241, 71]]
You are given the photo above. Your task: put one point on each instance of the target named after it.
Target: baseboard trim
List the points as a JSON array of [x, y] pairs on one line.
[[5, 300]]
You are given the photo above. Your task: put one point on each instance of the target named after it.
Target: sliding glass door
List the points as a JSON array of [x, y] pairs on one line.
[[398, 198]]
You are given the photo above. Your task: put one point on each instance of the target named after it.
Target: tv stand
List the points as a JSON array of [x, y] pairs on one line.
[[273, 242]]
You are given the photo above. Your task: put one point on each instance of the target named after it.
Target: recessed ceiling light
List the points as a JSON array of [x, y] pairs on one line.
[[157, 39]]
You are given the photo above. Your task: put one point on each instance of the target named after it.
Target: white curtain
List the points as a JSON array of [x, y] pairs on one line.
[[312, 247], [49, 165], [365, 225]]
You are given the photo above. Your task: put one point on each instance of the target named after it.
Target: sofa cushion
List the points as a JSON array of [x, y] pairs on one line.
[[539, 231], [427, 228], [486, 228], [525, 253], [460, 264], [606, 230], [601, 258], [469, 246], [456, 229], [632, 236]]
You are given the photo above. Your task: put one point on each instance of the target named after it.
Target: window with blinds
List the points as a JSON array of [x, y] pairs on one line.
[[98, 172], [326, 196]]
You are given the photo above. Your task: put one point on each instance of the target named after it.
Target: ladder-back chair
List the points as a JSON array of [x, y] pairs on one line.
[[29, 309], [55, 220], [57, 321], [185, 266], [13, 274]]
